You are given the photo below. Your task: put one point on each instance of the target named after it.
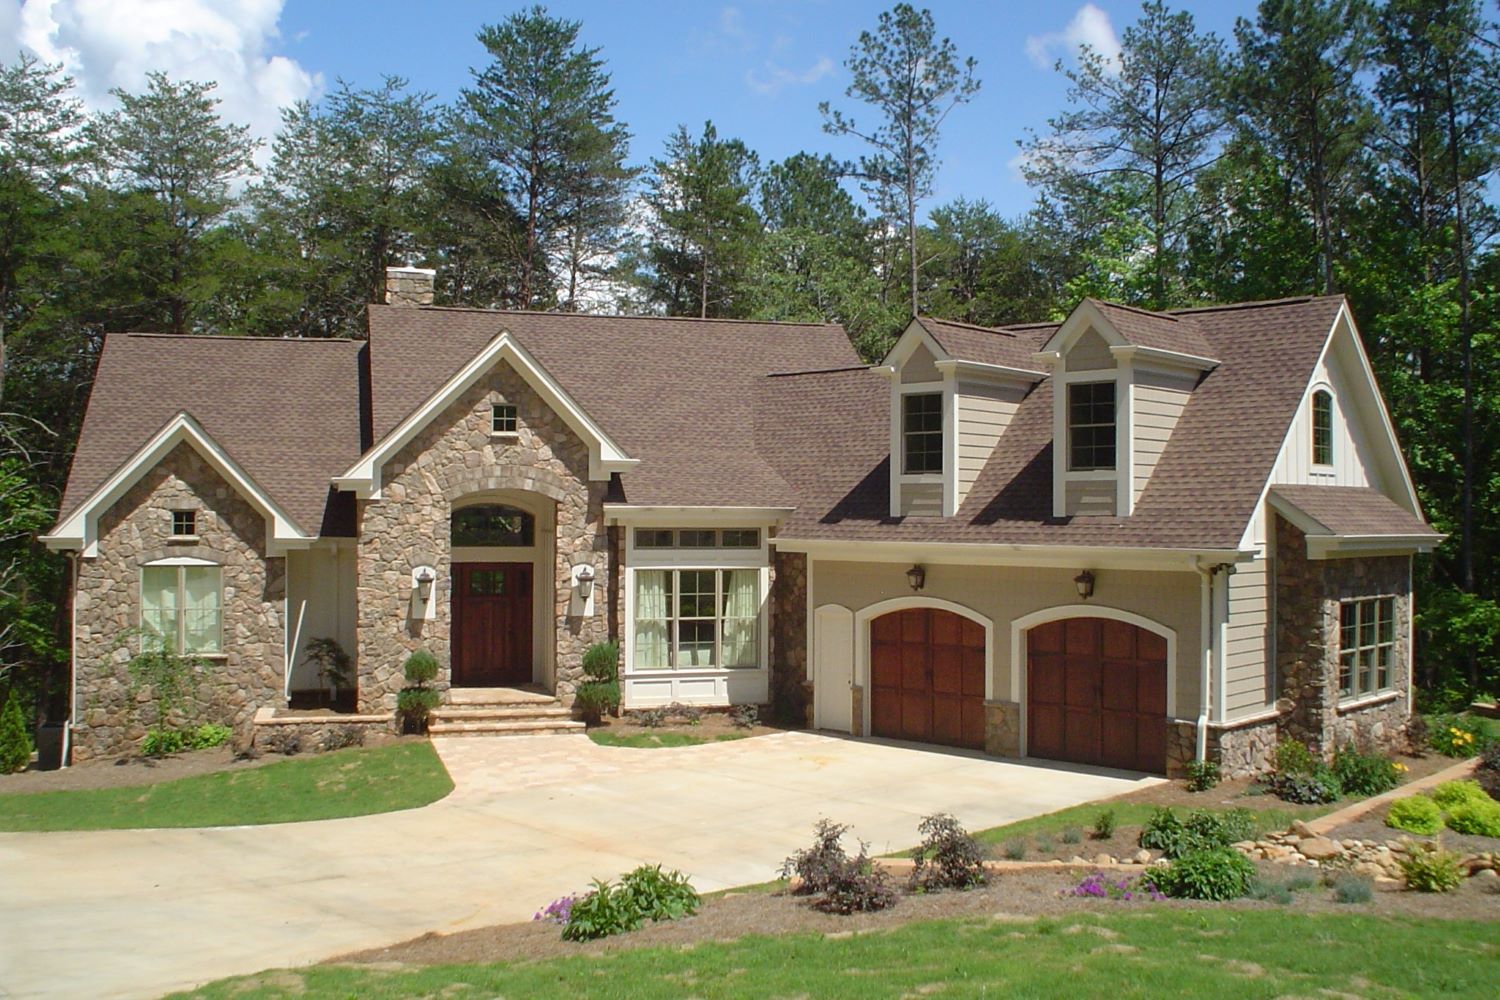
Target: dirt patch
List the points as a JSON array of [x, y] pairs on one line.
[[131, 770], [711, 728], [1010, 897]]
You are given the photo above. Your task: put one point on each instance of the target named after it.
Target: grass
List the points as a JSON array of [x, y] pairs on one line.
[[354, 782], [655, 741], [1244, 954], [1128, 814]]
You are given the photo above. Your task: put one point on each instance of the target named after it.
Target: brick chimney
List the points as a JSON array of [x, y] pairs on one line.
[[409, 286]]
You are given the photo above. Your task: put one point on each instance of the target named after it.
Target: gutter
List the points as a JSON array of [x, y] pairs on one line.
[[1214, 636]]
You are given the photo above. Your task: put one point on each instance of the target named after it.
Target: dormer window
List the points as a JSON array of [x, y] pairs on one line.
[[1091, 426], [503, 419], [1322, 427], [922, 433]]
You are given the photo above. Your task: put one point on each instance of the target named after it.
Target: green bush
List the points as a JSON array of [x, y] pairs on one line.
[[1351, 888], [1428, 868], [601, 661], [1071, 835], [15, 748], [1478, 819], [1219, 874], [1201, 831], [420, 667], [161, 741], [1015, 850], [594, 698], [1456, 735], [1306, 788], [207, 736], [1104, 825], [659, 895], [647, 893], [1454, 793], [1293, 757], [415, 704], [1415, 814], [1364, 774], [1201, 775]]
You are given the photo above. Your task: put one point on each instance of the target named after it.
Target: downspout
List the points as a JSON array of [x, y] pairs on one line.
[[1206, 639], [67, 736]]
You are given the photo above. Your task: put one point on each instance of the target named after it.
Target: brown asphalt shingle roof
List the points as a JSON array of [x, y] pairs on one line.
[[1168, 331], [991, 346], [1353, 510], [287, 411]]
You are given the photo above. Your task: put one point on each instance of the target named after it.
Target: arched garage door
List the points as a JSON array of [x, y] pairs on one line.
[[1096, 693], [927, 677]]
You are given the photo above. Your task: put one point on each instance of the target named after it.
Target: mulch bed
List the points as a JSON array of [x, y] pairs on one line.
[[712, 726], [1009, 896], [1372, 828]]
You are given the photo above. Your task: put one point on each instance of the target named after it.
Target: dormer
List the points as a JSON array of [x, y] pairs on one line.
[[1121, 379], [954, 389]]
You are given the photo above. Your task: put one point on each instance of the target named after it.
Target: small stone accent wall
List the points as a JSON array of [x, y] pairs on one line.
[[1308, 593], [312, 730], [1002, 728], [229, 687], [454, 457], [791, 691], [1380, 860], [1240, 749]]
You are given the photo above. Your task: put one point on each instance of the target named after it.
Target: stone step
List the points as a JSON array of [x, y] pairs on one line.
[[499, 696], [475, 713], [536, 727]]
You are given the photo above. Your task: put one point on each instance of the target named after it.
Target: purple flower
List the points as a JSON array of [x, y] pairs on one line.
[[558, 911]]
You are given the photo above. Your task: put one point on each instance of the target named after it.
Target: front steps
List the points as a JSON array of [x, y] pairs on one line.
[[501, 712]]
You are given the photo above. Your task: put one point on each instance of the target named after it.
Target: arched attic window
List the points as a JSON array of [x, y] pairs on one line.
[[492, 525], [1322, 427]]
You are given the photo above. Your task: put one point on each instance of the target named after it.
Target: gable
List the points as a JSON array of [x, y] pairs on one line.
[[1090, 352]]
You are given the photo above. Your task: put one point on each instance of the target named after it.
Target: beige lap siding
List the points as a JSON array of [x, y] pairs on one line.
[[453, 457], [1249, 681], [137, 530]]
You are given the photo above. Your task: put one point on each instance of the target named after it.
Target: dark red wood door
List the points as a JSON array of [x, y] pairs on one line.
[[927, 677], [1096, 693], [491, 624]]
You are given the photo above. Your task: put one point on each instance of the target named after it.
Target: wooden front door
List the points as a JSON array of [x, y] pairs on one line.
[[927, 677], [491, 624], [1096, 693]]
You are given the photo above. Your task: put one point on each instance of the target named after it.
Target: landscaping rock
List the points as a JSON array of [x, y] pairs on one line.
[[1301, 829], [1318, 849], [1141, 857], [1488, 875], [1104, 859]]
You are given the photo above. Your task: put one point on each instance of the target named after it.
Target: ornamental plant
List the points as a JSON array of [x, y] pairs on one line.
[[1364, 774], [1219, 874], [1477, 819], [1202, 830], [416, 701], [1104, 825], [15, 748], [558, 911], [1097, 885], [949, 858], [594, 698], [1455, 736], [1201, 775], [646, 893], [1415, 814], [601, 661], [1454, 793], [1429, 868], [844, 884]]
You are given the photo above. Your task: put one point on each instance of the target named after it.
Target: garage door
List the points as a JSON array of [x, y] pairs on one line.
[[927, 677], [1096, 693]]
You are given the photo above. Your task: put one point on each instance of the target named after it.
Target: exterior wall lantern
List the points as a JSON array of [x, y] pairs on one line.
[[917, 577], [581, 600], [1085, 583], [583, 579], [423, 593]]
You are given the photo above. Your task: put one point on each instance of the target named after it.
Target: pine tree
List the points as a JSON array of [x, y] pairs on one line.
[[15, 748]]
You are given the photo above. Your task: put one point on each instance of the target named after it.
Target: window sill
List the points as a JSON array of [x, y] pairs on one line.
[[689, 671], [184, 539], [921, 477], [1092, 474], [1368, 701], [505, 435]]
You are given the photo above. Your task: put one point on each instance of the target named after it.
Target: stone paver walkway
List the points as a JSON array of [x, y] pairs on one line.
[[135, 913]]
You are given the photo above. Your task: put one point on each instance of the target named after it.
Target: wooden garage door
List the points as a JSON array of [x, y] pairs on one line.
[[927, 677], [1096, 693]]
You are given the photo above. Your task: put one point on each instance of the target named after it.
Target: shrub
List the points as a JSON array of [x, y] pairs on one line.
[[1293, 757], [1310, 788], [1104, 825], [1488, 771], [814, 866], [283, 741], [340, 737], [1201, 775], [415, 704], [558, 911], [1201, 831], [1015, 850], [1071, 835], [659, 895], [161, 741], [1351, 888], [1456, 735], [1454, 793], [647, 893], [601, 661], [1219, 874], [1270, 891], [1477, 819], [1364, 774], [1096, 885], [335, 667], [15, 747], [420, 667], [1415, 814], [208, 736], [858, 886], [744, 716], [594, 698], [1428, 868], [949, 857], [651, 718], [599, 913], [691, 714]]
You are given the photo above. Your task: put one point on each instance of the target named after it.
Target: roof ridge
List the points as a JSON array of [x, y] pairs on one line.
[[819, 371], [614, 316], [1256, 304], [967, 326], [1135, 309], [239, 337]]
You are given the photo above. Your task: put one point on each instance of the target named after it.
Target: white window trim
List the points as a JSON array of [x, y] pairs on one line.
[[1358, 698], [762, 631], [1323, 468], [179, 563], [1123, 474]]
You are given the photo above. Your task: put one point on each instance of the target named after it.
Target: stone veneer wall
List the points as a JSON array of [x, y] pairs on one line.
[[1240, 749], [1308, 593], [791, 691], [1002, 728], [451, 458], [137, 530]]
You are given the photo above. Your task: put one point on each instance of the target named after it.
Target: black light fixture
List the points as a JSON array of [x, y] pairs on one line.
[[1085, 583], [917, 577]]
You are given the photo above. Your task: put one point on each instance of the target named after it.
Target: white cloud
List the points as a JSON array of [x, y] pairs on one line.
[[1090, 26], [104, 44], [772, 79]]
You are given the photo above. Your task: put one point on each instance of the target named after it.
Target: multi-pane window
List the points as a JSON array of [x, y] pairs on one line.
[[502, 418], [1091, 426], [697, 538], [695, 618], [184, 523], [1322, 424], [1367, 645], [922, 432], [493, 524], [183, 606]]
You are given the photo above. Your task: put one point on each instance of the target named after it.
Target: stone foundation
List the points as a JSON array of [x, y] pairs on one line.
[[1240, 749], [857, 700], [1002, 728], [313, 731]]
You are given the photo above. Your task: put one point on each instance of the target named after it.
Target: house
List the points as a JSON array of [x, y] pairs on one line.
[[1131, 539]]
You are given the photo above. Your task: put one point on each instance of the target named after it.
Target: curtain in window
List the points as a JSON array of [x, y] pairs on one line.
[[651, 600], [202, 609], [159, 604], [741, 617]]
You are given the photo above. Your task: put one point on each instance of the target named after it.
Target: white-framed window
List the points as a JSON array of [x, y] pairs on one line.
[[1322, 427], [1367, 646], [184, 523], [697, 538], [183, 604], [1091, 426], [921, 433], [697, 618], [503, 420]]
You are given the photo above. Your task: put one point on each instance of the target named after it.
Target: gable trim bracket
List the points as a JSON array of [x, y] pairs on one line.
[[605, 456], [79, 532]]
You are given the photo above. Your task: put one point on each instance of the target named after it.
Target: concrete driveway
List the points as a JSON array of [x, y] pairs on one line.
[[140, 912]]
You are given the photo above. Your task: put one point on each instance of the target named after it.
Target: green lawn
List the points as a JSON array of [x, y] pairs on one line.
[[653, 741], [353, 782], [1277, 817], [1243, 954]]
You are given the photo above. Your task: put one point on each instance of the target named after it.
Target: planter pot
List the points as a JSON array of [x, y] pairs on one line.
[[49, 746]]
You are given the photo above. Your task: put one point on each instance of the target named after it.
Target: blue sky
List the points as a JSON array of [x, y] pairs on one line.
[[757, 68]]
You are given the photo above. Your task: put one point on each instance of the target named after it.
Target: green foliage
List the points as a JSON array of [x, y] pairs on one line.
[[335, 666], [161, 742], [1293, 757], [420, 667], [1429, 868], [1071, 835], [1104, 824], [1478, 819], [1457, 735], [1313, 788], [208, 736], [1453, 793], [415, 704], [1364, 774], [1415, 814], [646, 893], [15, 747], [596, 697], [1201, 775], [659, 895], [1202, 830], [1015, 850], [1218, 874], [1349, 888], [744, 716], [601, 661], [159, 669]]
